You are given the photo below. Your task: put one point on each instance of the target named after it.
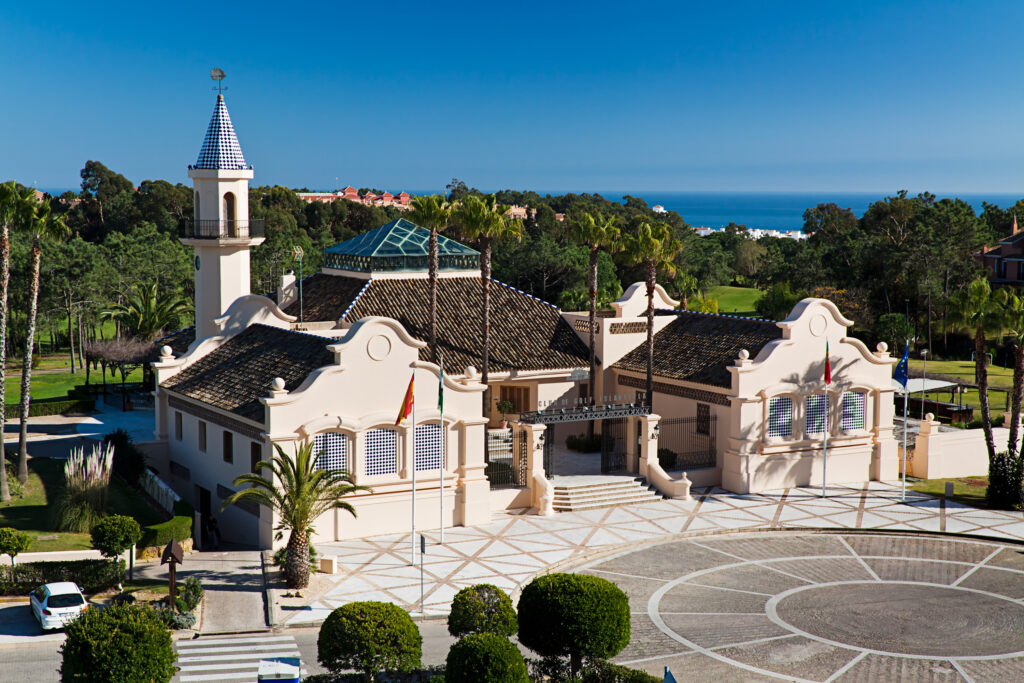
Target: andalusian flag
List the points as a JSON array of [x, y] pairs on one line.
[[828, 367], [440, 389], [407, 404]]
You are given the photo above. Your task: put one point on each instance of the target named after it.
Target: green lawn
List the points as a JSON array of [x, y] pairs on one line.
[[57, 384], [998, 377], [735, 300], [966, 490], [32, 511]]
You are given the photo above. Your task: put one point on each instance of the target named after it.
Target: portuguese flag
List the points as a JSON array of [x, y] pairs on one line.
[[828, 366], [407, 404]]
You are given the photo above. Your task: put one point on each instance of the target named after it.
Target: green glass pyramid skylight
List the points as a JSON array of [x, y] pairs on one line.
[[398, 246]]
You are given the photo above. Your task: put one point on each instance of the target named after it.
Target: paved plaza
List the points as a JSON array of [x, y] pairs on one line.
[[515, 547], [824, 607]]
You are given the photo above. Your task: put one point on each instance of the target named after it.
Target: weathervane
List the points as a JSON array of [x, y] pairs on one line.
[[218, 75]]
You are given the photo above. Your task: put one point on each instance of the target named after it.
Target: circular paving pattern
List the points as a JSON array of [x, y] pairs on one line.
[[824, 607]]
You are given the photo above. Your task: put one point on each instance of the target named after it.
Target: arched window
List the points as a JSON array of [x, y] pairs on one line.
[[780, 416], [428, 447], [381, 452], [853, 410], [229, 211], [331, 451], [816, 412]]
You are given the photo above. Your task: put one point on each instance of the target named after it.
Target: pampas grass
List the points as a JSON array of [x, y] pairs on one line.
[[86, 481]]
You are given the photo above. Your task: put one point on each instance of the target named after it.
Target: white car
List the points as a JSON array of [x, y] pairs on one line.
[[56, 605]]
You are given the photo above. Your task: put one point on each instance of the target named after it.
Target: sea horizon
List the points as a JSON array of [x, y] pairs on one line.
[[765, 210]]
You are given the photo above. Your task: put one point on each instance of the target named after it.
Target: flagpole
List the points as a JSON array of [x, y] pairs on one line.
[[906, 400], [444, 441], [824, 456], [412, 537]]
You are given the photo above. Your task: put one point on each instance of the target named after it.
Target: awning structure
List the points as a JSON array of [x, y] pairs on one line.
[[917, 385]]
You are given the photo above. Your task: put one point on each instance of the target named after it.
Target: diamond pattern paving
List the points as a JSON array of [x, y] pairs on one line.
[[516, 546]]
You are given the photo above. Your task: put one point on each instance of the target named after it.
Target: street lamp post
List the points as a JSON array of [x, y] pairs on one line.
[[924, 380]]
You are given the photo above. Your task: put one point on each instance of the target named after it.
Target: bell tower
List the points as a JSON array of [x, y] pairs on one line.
[[221, 233]]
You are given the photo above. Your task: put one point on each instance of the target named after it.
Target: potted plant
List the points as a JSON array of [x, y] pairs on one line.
[[505, 407]]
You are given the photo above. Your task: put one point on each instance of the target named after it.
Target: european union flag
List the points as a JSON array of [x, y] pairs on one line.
[[669, 678], [900, 373]]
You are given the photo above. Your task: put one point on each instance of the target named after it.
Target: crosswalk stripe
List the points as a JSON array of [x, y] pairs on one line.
[[227, 658], [225, 677], [219, 649], [230, 659], [220, 641]]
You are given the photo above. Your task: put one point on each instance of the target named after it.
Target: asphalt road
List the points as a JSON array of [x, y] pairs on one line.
[[28, 659]]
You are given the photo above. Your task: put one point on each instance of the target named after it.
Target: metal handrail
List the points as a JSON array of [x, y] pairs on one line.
[[214, 229]]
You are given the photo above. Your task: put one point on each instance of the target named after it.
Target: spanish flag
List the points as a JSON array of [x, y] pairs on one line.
[[407, 404]]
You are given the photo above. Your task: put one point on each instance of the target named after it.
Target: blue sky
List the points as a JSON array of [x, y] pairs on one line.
[[787, 96]]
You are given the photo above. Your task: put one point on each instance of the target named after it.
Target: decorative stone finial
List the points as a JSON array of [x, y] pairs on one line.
[[470, 372], [929, 417], [882, 347], [744, 354], [278, 384], [166, 351]]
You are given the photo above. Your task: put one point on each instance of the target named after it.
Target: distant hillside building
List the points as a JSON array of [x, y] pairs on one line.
[[1004, 263], [401, 201]]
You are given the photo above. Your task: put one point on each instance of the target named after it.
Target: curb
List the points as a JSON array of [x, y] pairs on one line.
[[269, 615]]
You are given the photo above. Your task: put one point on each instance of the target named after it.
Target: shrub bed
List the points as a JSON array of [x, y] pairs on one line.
[[91, 576], [485, 657], [44, 407], [178, 527]]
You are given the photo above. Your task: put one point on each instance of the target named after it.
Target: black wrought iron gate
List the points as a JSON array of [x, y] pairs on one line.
[[613, 445]]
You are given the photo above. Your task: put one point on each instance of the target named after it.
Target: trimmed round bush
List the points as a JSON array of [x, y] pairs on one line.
[[485, 657], [120, 644], [482, 608], [574, 615], [369, 637], [114, 534]]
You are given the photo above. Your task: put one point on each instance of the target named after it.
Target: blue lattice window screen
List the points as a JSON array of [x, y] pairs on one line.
[[853, 410], [381, 452], [330, 449], [428, 447], [780, 416], [816, 408]]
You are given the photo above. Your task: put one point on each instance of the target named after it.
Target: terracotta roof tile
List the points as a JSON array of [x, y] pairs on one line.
[[526, 333], [239, 372], [698, 347]]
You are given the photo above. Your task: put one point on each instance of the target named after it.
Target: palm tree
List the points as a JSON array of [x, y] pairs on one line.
[[1013, 326], [146, 312], [976, 311], [688, 286], [298, 492], [432, 212], [593, 233], [42, 226], [654, 247], [479, 219], [15, 208]]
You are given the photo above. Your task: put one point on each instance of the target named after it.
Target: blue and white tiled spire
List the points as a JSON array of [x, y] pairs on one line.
[[220, 146]]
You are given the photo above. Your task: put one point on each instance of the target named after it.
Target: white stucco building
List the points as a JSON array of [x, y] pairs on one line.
[[737, 402]]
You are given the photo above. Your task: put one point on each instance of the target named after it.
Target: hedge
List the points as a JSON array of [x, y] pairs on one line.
[[482, 608], [584, 617], [600, 671], [120, 644], [178, 527], [44, 407], [485, 657], [91, 576]]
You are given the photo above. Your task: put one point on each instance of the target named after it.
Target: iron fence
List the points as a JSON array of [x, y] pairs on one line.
[[213, 229], [687, 442], [506, 458]]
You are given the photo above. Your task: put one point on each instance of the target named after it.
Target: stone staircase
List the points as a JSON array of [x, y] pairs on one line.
[[575, 494]]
